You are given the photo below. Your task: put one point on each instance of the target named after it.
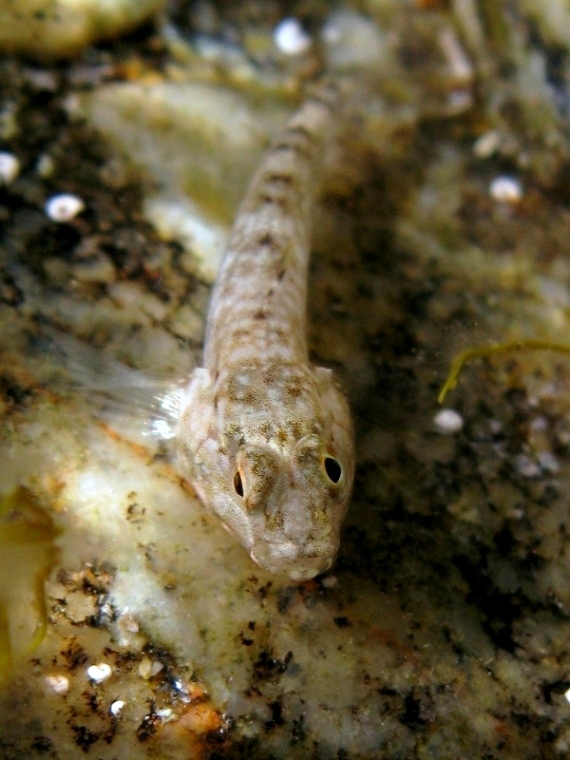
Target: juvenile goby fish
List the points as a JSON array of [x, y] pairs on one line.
[[265, 437]]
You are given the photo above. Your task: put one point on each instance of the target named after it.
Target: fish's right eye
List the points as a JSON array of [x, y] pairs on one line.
[[332, 469]]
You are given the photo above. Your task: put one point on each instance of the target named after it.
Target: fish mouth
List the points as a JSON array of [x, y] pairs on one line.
[[305, 572], [293, 562]]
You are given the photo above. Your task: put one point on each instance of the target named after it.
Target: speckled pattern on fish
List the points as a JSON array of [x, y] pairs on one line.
[[265, 437]]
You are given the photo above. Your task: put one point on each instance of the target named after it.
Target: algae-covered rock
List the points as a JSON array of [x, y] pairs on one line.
[[51, 29]]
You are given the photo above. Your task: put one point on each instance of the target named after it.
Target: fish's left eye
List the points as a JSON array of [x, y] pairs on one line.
[[238, 485], [332, 469]]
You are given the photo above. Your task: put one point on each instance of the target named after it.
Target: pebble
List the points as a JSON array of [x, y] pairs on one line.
[[453, 50], [149, 668], [487, 144], [352, 40], [9, 167], [548, 462], [45, 166], [99, 270], [526, 467], [50, 29], [188, 324]]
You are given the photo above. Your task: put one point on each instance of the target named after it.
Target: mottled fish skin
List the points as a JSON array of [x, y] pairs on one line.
[[264, 436]]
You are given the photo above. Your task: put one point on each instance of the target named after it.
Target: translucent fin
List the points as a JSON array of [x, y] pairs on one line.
[[147, 405]]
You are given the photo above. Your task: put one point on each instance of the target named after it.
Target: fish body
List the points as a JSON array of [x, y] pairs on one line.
[[264, 436]]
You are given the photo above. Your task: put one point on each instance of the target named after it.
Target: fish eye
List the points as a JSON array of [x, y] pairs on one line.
[[238, 485], [332, 469]]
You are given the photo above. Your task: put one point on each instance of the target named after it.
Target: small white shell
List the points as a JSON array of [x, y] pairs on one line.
[[117, 707], [448, 421], [99, 673], [291, 38], [506, 189], [59, 684], [63, 207]]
